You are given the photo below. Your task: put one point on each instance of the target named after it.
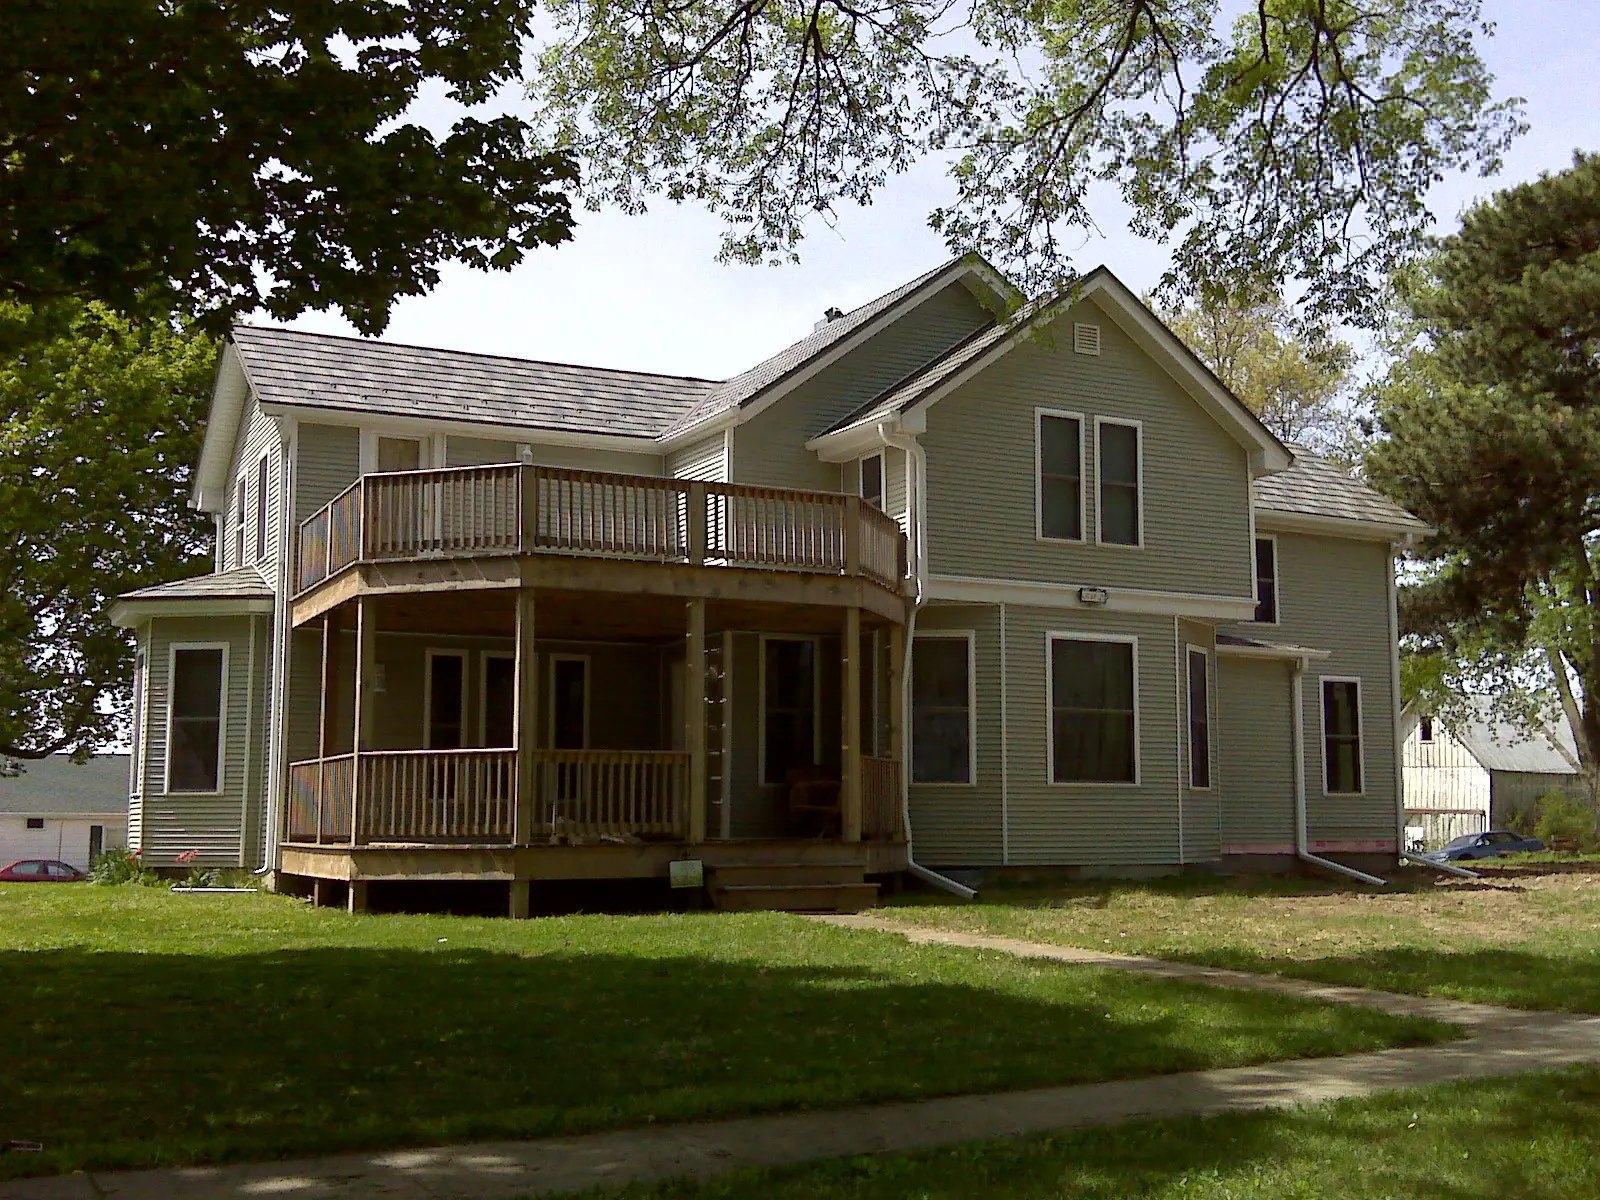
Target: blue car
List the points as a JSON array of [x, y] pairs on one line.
[[1492, 844]]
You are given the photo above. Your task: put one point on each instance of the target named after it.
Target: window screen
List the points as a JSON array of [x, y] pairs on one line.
[[1199, 720], [789, 715], [1060, 477], [194, 750], [1341, 734], [1092, 711], [1266, 581], [941, 711], [1119, 484]]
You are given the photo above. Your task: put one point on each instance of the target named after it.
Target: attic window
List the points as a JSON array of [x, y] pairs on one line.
[[1086, 339], [35, 822], [1425, 731]]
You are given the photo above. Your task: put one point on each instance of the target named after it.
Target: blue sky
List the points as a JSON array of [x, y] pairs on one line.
[[645, 292]]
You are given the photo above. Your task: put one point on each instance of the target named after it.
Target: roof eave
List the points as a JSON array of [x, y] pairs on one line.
[[229, 395], [128, 614], [1347, 527]]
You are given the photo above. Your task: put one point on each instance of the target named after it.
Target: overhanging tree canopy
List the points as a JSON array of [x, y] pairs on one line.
[[1299, 141], [216, 156]]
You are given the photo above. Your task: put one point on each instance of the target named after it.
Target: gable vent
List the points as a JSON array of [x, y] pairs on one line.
[[1086, 339]]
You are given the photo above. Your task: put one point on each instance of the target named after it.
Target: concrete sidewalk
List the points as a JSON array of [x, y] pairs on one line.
[[1502, 1042]]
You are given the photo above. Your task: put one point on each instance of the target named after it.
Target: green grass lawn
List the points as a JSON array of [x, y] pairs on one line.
[[1530, 1137], [1528, 941], [146, 1028]]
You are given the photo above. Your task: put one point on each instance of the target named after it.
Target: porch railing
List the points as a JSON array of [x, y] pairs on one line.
[[514, 509], [880, 799], [438, 795], [589, 795], [321, 799]]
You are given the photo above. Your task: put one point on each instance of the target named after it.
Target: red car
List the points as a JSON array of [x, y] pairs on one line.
[[41, 870]]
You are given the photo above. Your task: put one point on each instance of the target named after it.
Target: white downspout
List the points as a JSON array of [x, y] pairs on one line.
[[918, 519], [1301, 841]]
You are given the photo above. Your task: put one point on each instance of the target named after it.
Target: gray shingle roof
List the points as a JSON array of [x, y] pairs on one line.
[[59, 785], [241, 583], [355, 375], [1501, 746], [1316, 487]]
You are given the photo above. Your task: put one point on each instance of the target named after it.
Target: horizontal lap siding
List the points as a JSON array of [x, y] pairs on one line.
[[478, 452], [960, 825], [328, 460], [581, 458], [705, 459], [1202, 807], [981, 484], [1256, 740], [212, 824], [1086, 823], [769, 449], [1333, 594], [897, 487], [258, 438]]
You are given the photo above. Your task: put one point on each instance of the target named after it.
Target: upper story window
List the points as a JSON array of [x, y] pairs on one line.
[[1094, 709], [1120, 471], [1341, 735], [872, 480], [261, 509], [1425, 730], [238, 522], [1266, 581], [194, 715], [1058, 447]]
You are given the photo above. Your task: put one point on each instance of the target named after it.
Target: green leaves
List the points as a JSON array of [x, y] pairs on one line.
[[1298, 142], [215, 156], [100, 421]]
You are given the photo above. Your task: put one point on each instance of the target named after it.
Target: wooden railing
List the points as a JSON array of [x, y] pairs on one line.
[[880, 799], [437, 796], [512, 509], [321, 800], [587, 795]]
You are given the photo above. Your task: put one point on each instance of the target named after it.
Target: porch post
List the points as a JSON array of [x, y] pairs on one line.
[[694, 715], [897, 703], [366, 706], [527, 721], [850, 731], [329, 715]]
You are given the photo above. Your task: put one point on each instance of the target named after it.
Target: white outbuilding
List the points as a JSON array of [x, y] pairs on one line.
[[61, 809]]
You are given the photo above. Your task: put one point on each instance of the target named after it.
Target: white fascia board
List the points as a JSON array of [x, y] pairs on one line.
[[229, 395], [969, 589], [425, 425], [697, 432], [1299, 654], [975, 276], [1344, 527], [126, 614], [849, 444]]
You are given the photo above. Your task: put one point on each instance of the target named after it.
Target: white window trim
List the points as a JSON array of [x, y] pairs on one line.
[[483, 697], [222, 719], [1361, 731], [761, 700], [883, 479], [1425, 730], [431, 453], [240, 506], [263, 520], [1277, 581], [970, 636], [550, 696], [1051, 637], [431, 653], [1188, 725], [141, 714], [1099, 497], [1039, 414]]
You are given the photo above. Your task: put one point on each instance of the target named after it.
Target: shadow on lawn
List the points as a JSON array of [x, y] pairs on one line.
[[126, 1059]]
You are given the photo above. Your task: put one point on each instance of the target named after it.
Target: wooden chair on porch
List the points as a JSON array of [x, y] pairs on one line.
[[813, 800]]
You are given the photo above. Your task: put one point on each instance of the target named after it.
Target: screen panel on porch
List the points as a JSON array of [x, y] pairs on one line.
[[789, 707]]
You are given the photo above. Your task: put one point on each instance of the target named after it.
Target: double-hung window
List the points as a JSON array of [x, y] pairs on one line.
[[238, 522], [1119, 471], [194, 735], [1094, 709], [872, 480], [1266, 581], [1199, 718], [261, 509], [941, 709], [1341, 735], [1058, 444]]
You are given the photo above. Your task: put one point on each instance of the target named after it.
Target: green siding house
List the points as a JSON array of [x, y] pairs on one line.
[[953, 583]]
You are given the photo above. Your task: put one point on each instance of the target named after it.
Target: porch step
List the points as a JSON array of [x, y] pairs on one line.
[[796, 897], [792, 887], [786, 874]]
